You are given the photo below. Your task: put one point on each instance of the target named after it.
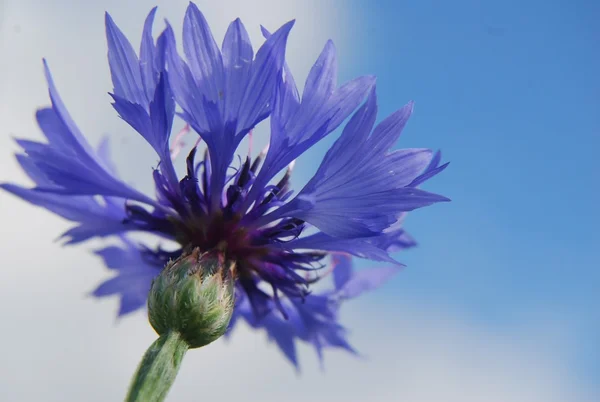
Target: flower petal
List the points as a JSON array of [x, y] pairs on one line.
[[148, 65], [187, 92], [237, 61], [94, 218], [203, 54], [135, 275], [296, 128], [342, 270], [360, 188], [68, 162], [366, 280], [124, 65], [321, 81], [361, 247], [264, 76]]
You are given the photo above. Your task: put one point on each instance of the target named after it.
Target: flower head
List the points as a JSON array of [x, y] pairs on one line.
[[236, 212]]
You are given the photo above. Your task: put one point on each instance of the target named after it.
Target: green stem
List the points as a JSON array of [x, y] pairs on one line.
[[158, 369]]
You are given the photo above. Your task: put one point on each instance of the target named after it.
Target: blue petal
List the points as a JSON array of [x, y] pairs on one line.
[[154, 124], [131, 302], [360, 188], [349, 146], [62, 129], [282, 333], [33, 171], [94, 218], [346, 216], [360, 247], [76, 208], [137, 117], [135, 275], [237, 60], [264, 76], [133, 290], [433, 169], [288, 98], [295, 128], [187, 93], [203, 54], [366, 280], [319, 314], [350, 283], [321, 81], [124, 65], [259, 301], [160, 61], [336, 337], [342, 270], [393, 239], [68, 163], [149, 67], [118, 257], [162, 112]]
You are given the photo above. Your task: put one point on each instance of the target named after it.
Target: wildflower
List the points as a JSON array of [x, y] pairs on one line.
[[278, 242]]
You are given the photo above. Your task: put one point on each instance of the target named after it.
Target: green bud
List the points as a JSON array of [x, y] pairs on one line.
[[194, 296]]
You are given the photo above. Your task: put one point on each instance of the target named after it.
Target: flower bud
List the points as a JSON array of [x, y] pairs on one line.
[[194, 296]]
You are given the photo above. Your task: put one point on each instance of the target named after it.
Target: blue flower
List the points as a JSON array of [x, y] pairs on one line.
[[354, 204]]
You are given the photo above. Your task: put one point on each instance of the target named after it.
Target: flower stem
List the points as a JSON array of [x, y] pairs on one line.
[[158, 369]]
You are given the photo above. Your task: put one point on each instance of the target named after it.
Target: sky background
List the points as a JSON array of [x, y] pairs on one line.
[[498, 303]]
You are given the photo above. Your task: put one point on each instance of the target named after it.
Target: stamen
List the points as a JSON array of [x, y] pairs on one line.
[[259, 159], [280, 186], [244, 176]]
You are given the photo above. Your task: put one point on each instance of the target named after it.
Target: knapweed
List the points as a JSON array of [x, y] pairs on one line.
[[242, 212]]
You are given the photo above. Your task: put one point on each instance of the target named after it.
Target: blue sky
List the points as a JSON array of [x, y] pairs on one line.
[[510, 92]]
